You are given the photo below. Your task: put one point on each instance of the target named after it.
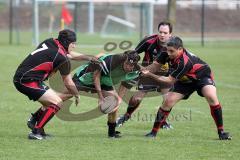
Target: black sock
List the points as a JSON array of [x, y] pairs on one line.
[[132, 106], [216, 112], [160, 119], [38, 113], [50, 111], [111, 129], [129, 112]]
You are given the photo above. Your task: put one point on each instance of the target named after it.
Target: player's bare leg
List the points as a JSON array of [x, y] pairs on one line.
[[113, 116], [165, 125], [170, 100], [133, 104], [35, 116], [210, 93], [51, 105], [64, 96]]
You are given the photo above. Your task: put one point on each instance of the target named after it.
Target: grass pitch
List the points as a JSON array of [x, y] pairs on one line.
[[193, 137]]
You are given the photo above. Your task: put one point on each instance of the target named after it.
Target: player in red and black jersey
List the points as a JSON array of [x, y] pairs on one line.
[[49, 57], [152, 46], [187, 73]]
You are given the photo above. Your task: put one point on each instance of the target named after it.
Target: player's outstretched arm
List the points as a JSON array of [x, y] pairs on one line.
[[160, 79], [69, 84], [81, 57], [154, 67]]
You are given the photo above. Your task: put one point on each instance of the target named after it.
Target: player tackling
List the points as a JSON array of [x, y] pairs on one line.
[[188, 73], [49, 57]]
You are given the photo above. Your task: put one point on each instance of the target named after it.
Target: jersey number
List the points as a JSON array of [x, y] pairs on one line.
[[44, 47]]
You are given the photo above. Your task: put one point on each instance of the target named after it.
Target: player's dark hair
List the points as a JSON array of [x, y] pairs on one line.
[[66, 37], [132, 56], [163, 23], [175, 42]]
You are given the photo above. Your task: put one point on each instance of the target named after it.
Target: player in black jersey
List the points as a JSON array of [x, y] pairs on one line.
[[187, 73], [152, 46], [49, 57]]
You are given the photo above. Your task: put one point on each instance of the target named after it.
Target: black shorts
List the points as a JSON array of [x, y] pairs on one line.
[[34, 90], [89, 88], [188, 88]]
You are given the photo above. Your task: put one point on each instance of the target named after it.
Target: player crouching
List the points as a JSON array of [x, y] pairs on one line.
[[101, 78]]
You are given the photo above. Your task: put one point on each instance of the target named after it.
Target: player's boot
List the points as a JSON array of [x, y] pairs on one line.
[[224, 135], [122, 119], [45, 135], [36, 134], [31, 122], [115, 135], [111, 131], [117, 132], [151, 134], [166, 126]]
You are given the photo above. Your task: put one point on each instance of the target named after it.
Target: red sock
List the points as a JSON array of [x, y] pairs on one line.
[[216, 112], [160, 119], [50, 111]]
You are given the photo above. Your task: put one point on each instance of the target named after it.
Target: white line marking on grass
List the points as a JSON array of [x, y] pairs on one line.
[[232, 86], [200, 112]]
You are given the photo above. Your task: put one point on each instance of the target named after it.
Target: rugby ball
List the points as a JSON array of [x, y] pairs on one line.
[[109, 104]]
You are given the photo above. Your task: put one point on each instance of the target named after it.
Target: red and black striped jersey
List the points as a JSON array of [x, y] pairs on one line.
[[152, 47], [186, 65], [48, 57]]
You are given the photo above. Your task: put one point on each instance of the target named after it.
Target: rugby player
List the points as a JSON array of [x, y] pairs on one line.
[[49, 57], [101, 78], [152, 46], [188, 73]]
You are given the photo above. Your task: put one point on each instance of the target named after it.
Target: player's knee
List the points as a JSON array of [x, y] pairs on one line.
[[135, 100], [169, 102], [212, 100], [57, 101]]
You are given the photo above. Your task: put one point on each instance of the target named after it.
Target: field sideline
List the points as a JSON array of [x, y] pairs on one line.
[[193, 137]]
